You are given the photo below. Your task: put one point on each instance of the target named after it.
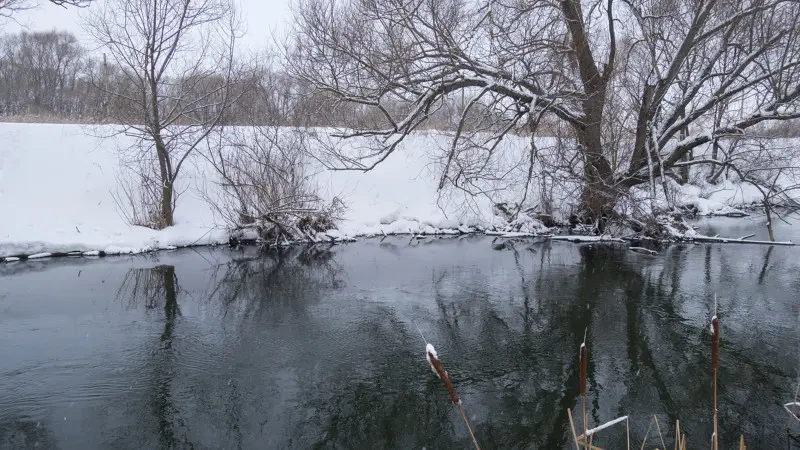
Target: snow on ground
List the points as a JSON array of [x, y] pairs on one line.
[[400, 195], [58, 184], [709, 200], [718, 199]]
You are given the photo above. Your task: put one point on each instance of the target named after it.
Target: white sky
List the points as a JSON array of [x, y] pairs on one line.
[[262, 18]]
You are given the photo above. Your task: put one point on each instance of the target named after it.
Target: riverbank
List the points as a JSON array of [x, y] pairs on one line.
[[59, 196]]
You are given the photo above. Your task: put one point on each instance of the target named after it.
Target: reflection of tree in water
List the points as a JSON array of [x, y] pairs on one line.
[[158, 287], [674, 350], [22, 434], [510, 343], [257, 295], [520, 346], [518, 379], [150, 286], [278, 278]]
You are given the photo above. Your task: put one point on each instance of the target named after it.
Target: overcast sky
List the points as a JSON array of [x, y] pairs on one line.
[[262, 18]]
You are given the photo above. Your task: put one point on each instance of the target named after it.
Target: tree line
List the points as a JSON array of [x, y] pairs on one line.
[[51, 76]]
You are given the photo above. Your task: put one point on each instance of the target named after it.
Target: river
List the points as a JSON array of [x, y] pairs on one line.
[[321, 348]]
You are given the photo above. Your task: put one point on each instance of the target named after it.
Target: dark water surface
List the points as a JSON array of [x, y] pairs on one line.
[[319, 348]]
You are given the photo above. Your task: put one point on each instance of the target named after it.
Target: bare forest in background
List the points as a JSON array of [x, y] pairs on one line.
[[50, 77]]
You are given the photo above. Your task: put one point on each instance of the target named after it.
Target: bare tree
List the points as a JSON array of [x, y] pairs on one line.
[[9, 7], [177, 60], [637, 83]]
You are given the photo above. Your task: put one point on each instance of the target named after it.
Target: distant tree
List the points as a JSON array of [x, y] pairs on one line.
[[40, 72], [176, 81]]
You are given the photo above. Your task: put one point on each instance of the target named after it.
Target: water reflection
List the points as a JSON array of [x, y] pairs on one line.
[[19, 433], [157, 288], [319, 348], [280, 282]]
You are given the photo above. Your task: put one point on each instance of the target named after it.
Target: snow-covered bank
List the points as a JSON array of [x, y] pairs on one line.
[[58, 184], [56, 195]]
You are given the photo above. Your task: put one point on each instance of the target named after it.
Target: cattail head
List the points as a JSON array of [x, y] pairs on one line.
[[715, 342], [431, 355], [438, 369], [584, 356]]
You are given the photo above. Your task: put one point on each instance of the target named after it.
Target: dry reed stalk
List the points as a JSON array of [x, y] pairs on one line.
[[660, 436], [791, 413], [680, 440], [572, 425], [585, 439], [438, 369], [647, 435], [628, 433], [583, 358], [742, 446], [715, 365]]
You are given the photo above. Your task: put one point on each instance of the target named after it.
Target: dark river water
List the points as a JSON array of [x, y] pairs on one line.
[[319, 348]]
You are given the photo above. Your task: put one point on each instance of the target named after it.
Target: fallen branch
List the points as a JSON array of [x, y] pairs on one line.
[[741, 240], [580, 238], [642, 250]]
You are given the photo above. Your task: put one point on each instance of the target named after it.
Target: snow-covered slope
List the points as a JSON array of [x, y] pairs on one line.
[[57, 185]]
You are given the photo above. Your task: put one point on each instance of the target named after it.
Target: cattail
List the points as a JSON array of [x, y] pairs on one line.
[[715, 342], [584, 356], [438, 369], [715, 366], [583, 359]]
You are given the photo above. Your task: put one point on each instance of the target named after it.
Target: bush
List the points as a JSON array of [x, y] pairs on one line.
[[265, 185]]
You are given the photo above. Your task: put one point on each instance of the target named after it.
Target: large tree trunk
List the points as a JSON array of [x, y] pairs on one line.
[[598, 195]]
